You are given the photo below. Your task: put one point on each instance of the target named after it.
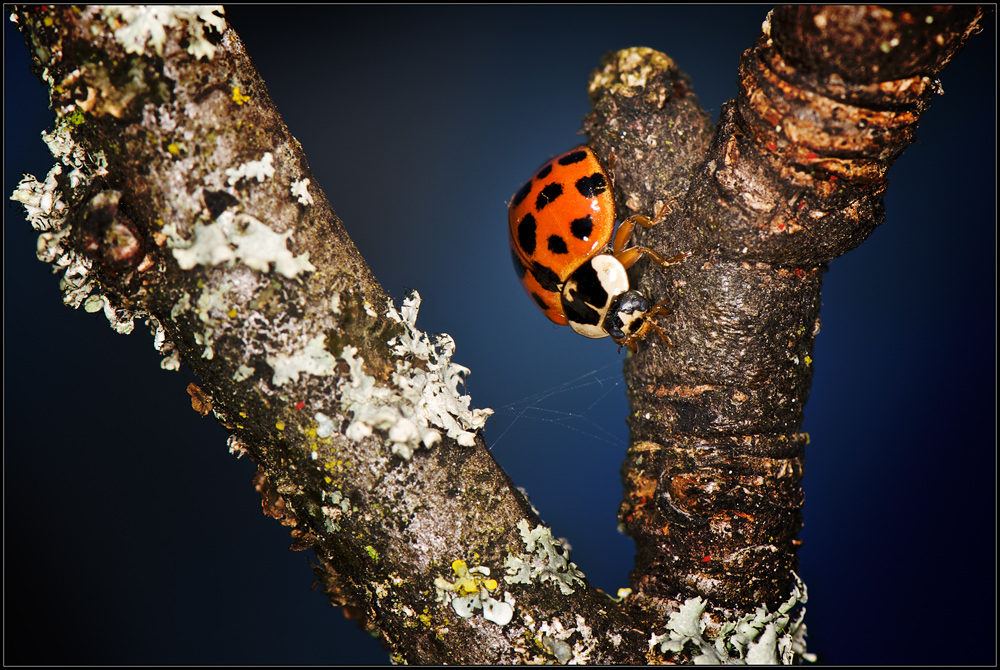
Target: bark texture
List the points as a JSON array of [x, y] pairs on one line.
[[793, 176]]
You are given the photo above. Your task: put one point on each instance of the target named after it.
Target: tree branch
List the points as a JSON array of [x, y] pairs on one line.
[[795, 176]]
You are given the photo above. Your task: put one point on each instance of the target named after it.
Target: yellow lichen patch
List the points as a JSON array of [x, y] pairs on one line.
[[472, 590], [238, 97]]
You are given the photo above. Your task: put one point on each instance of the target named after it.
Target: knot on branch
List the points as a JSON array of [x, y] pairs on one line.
[[717, 519]]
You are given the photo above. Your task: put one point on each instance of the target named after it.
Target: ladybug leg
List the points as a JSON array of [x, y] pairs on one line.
[[627, 227], [659, 309], [630, 340], [628, 257]]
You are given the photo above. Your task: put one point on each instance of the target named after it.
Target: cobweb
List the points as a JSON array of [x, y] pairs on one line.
[[580, 406]]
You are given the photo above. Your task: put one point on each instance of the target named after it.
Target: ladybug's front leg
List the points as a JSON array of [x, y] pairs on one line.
[[630, 340]]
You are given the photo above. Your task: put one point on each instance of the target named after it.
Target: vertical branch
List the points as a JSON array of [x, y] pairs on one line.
[[794, 177]]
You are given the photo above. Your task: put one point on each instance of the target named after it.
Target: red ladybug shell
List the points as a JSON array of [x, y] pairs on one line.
[[562, 216]]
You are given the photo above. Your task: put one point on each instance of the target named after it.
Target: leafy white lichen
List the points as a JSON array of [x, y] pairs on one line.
[[423, 395], [546, 560], [121, 320], [300, 189], [555, 638], [760, 637], [76, 282], [324, 425], [42, 202], [259, 170], [242, 373], [239, 236], [312, 359], [46, 210], [146, 25]]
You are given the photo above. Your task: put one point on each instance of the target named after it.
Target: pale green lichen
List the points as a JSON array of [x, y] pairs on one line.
[[339, 506], [46, 210], [312, 359], [546, 560], [760, 637], [146, 25], [259, 170], [242, 373], [213, 302], [239, 236], [556, 639], [471, 591], [423, 391], [300, 189], [324, 427], [628, 71]]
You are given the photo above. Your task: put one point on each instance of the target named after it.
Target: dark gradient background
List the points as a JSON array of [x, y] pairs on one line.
[[131, 536]]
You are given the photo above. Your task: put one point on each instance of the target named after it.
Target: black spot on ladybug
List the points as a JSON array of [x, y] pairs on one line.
[[521, 194], [519, 266], [557, 245], [218, 201], [544, 172], [582, 228], [526, 234], [573, 157], [591, 185], [540, 301], [548, 194], [546, 278]]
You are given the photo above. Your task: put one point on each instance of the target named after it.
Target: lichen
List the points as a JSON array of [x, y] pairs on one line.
[[300, 189], [423, 391], [760, 637], [471, 591], [239, 236], [546, 560], [339, 506], [42, 202], [47, 211], [146, 25], [312, 359], [259, 170], [555, 638], [324, 427]]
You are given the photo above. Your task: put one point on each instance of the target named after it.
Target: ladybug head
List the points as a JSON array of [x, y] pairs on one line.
[[626, 316]]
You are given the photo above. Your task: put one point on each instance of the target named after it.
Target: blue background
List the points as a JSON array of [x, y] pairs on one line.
[[133, 537]]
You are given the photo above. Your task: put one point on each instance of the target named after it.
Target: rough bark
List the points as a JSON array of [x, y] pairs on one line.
[[385, 526], [794, 177]]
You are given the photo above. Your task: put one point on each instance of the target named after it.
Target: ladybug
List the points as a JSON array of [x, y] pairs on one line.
[[561, 225]]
